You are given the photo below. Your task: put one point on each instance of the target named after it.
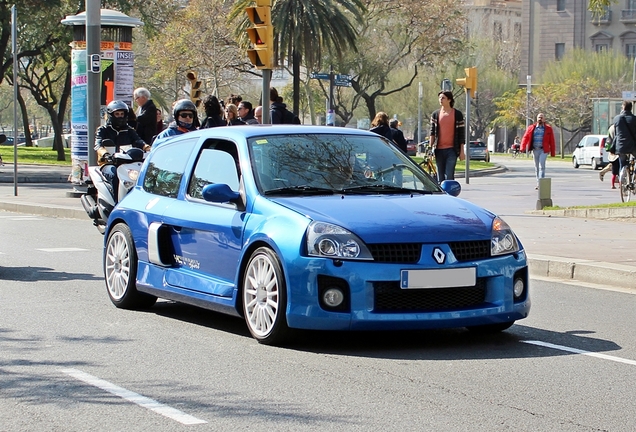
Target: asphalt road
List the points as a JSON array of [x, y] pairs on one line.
[[71, 361]]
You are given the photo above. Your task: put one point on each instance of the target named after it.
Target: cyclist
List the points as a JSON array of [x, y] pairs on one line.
[[625, 129]]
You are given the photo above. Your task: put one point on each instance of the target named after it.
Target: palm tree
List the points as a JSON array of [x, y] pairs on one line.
[[307, 29]]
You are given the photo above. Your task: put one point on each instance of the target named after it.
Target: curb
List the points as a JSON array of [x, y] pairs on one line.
[[51, 210], [590, 213], [597, 272]]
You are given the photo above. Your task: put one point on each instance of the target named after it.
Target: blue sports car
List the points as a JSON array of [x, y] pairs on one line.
[[303, 227]]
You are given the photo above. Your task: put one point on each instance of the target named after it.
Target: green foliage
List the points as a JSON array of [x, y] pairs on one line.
[[35, 155]]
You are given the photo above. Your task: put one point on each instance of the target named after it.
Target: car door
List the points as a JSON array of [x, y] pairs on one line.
[[207, 236], [591, 148]]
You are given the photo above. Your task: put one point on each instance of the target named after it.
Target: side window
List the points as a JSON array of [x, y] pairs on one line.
[[593, 142], [166, 166], [214, 166]]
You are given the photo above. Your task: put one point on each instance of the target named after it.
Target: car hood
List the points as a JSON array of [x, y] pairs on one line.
[[397, 218]]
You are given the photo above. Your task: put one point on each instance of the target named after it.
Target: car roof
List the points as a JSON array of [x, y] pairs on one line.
[[249, 131]]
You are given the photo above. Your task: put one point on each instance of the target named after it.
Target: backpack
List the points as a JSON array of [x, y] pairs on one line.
[[290, 118]]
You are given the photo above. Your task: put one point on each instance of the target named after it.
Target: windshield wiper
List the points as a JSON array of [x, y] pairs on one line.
[[300, 190], [380, 187]]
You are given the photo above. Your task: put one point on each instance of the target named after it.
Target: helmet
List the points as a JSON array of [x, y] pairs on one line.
[[184, 105], [117, 122]]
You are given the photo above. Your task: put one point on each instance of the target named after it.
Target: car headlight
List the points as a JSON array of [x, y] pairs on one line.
[[503, 240], [332, 241]]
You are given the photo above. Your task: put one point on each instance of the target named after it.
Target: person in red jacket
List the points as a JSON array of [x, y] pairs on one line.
[[539, 138]]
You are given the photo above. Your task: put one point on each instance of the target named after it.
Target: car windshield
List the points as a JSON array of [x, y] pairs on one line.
[[301, 164]]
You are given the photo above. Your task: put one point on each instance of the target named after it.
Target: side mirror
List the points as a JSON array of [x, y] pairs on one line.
[[451, 187], [220, 193]]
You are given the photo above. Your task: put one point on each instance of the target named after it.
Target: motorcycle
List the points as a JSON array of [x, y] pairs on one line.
[[102, 196]]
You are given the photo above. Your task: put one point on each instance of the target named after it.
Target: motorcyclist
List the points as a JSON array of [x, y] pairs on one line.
[[109, 139], [185, 120]]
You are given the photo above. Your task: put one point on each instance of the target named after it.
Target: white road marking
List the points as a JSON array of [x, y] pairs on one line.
[[578, 351], [153, 405], [21, 218], [68, 249]]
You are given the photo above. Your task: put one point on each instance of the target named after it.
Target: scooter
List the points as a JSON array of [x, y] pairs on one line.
[[101, 197]]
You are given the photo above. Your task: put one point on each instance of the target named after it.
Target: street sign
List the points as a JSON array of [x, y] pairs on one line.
[[629, 95], [342, 80], [96, 63], [321, 76]]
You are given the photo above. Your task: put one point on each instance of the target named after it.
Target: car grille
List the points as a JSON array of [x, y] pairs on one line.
[[470, 250], [408, 253], [390, 298]]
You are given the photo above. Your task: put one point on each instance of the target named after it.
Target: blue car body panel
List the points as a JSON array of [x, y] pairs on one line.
[[208, 245]]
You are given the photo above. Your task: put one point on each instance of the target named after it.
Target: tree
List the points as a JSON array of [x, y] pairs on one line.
[[409, 34], [597, 7], [305, 32]]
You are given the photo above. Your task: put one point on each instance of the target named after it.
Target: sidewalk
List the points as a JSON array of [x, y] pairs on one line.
[[585, 249]]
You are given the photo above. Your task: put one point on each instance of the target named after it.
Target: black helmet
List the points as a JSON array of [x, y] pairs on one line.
[[184, 105], [117, 122]]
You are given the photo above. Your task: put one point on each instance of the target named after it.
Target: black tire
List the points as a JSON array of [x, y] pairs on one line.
[[595, 164], [624, 184], [120, 271], [264, 297], [491, 328], [575, 163]]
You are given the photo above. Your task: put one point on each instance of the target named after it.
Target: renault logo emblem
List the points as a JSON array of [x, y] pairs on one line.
[[439, 256]]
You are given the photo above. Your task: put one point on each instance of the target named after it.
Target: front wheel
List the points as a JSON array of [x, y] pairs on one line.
[[265, 298], [575, 163], [120, 271], [625, 183]]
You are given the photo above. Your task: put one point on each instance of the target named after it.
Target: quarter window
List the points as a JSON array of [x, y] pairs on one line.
[[166, 167]]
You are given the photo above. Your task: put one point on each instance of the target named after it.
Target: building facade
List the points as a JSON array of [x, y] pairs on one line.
[[550, 28]]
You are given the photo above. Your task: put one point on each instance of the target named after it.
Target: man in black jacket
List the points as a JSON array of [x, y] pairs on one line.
[[398, 135], [625, 133], [146, 115]]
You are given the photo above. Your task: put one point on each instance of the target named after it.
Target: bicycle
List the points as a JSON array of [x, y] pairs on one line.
[[428, 161], [627, 180]]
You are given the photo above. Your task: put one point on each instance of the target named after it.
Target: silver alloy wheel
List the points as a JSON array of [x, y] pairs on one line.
[[261, 295], [117, 265]]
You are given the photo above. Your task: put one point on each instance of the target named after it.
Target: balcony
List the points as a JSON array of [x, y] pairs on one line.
[[604, 19], [628, 16]]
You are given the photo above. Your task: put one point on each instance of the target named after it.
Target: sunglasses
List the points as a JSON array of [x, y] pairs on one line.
[[186, 115]]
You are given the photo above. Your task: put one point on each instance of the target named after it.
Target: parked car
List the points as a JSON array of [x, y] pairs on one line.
[[479, 151], [309, 227], [9, 141], [411, 148], [590, 151]]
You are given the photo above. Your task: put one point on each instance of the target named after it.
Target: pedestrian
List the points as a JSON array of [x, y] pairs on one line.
[[184, 113], [233, 99], [231, 115], [612, 157], [160, 125], [625, 134], [146, 115], [258, 114], [278, 112], [539, 138], [398, 135], [213, 113], [381, 126], [447, 136], [246, 113]]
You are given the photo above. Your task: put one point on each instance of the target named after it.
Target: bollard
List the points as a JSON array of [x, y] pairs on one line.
[[544, 193]]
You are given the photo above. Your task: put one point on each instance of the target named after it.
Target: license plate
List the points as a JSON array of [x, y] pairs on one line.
[[438, 278]]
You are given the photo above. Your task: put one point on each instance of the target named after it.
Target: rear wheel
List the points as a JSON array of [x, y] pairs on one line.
[[120, 271], [575, 163], [594, 164], [625, 182], [265, 298]]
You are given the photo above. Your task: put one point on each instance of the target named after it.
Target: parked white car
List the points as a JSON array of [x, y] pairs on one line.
[[591, 151]]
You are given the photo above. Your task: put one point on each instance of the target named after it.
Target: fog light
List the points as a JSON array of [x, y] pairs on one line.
[[333, 297], [518, 288]]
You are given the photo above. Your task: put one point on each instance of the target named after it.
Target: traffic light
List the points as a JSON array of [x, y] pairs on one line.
[[195, 88], [261, 35], [470, 82]]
